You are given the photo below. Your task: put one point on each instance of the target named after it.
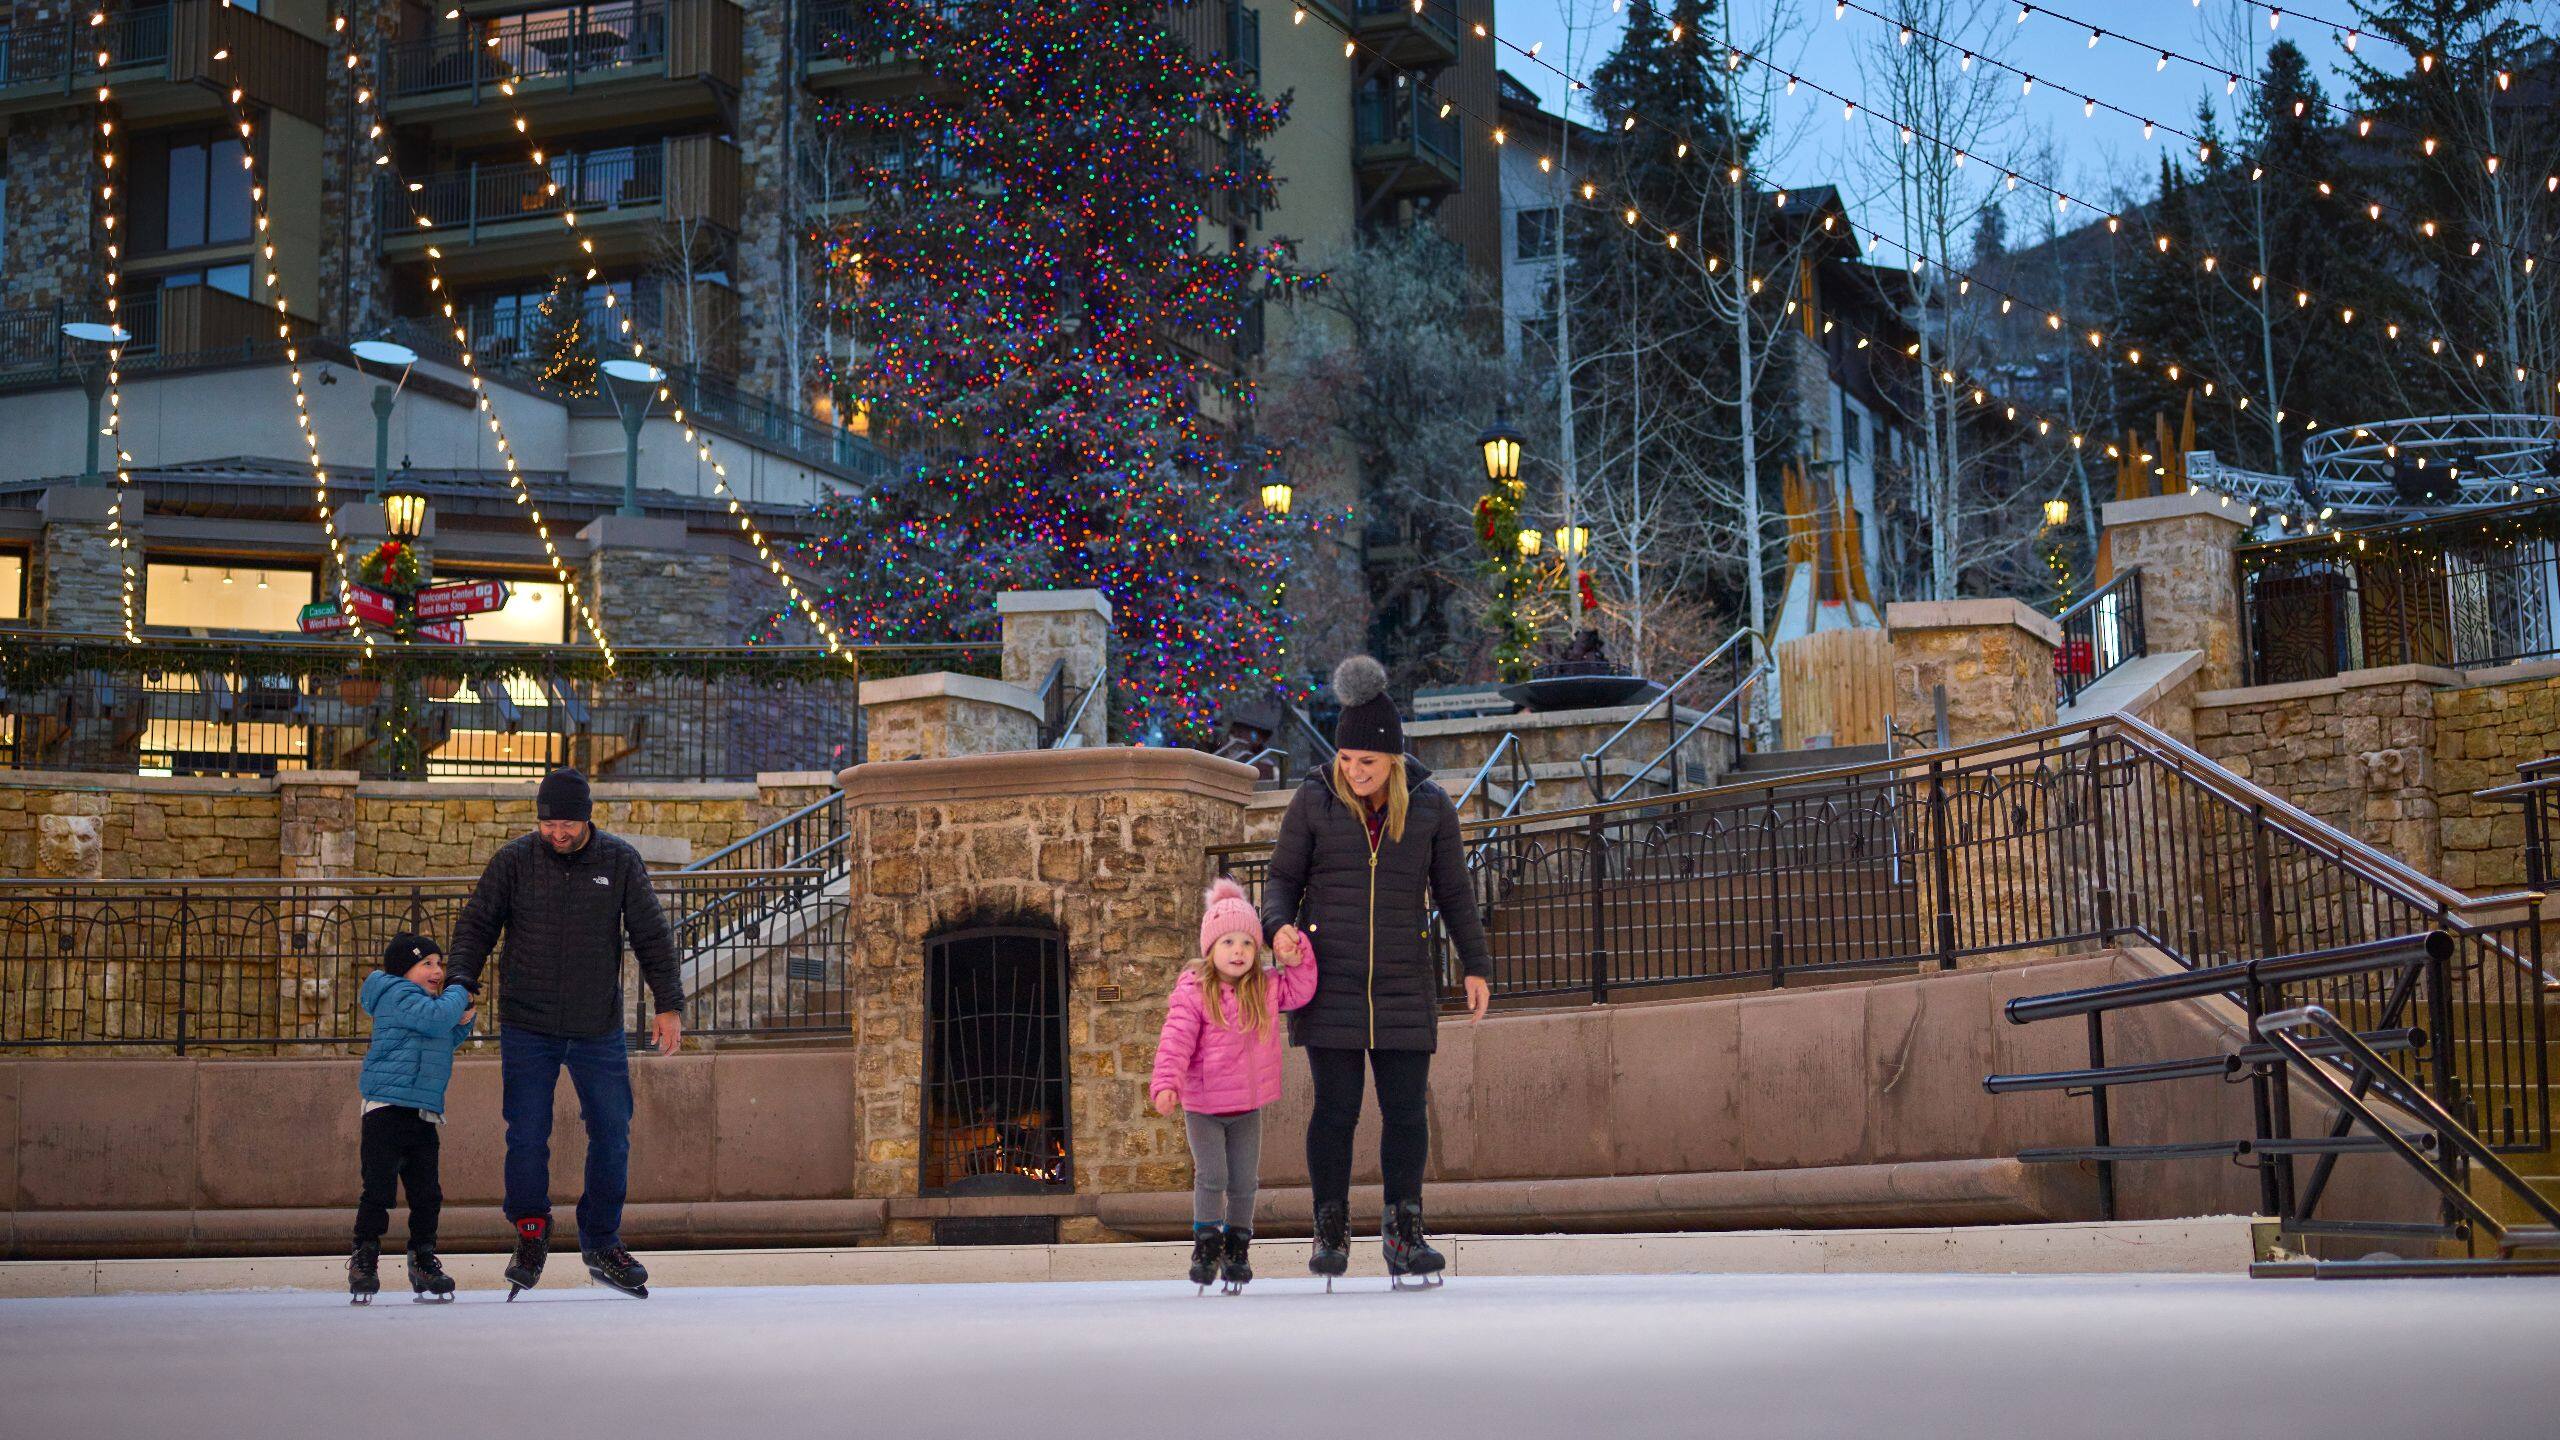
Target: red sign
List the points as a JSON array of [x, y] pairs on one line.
[[2075, 657], [472, 597], [371, 606], [445, 632]]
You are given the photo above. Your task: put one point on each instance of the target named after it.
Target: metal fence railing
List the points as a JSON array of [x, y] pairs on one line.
[[253, 708], [1407, 117], [207, 964], [461, 201], [64, 50], [2474, 589], [562, 43], [2090, 833], [2100, 631]]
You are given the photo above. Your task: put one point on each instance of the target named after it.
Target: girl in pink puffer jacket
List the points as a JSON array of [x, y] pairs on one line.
[[1219, 1059]]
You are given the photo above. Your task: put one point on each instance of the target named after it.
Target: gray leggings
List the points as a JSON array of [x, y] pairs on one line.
[[1226, 1164]]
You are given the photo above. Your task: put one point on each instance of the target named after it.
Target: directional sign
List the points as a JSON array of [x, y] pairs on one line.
[[324, 618], [472, 597], [443, 632], [372, 606]]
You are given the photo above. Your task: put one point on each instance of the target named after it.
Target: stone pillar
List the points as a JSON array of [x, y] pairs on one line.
[[354, 298], [53, 259], [1995, 658], [650, 587], [1042, 627], [2190, 596], [316, 823], [938, 715], [79, 572], [776, 116]]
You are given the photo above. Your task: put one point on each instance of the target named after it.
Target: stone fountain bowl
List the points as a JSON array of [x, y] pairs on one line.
[[1579, 691]]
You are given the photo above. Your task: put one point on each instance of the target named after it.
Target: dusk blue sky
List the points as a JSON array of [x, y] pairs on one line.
[[2095, 155]]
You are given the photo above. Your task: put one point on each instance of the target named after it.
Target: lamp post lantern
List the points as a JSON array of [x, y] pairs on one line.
[[1500, 442], [632, 384], [404, 511], [1277, 496], [388, 355], [86, 335]]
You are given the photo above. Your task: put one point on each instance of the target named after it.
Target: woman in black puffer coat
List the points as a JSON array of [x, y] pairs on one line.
[[1368, 846]]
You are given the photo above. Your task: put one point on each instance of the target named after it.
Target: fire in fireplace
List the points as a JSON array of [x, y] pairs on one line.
[[995, 1066]]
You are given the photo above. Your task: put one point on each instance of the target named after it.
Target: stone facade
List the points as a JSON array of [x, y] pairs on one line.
[[1105, 845], [2183, 544], [120, 827], [406, 829], [2482, 733], [651, 586], [2357, 751], [939, 715], [355, 286], [46, 258], [78, 579], [1043, 627], [1994, 657], [776, 117]]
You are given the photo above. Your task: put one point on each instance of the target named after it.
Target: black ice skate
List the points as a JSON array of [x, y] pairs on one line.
[[1332, 1254], [1236, 1272], [1205, 1249], [1408, 1253], [614, 1266], [364, 1272], [533, 1246], [427, 1281]]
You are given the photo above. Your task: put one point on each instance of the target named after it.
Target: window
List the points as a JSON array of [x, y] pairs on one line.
[[1536, 234], [212, 595], [229, 279], [13, 585], [536, 613], [191, 191]]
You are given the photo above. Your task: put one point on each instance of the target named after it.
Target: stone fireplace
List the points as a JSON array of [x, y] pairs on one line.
[[1016, 922]]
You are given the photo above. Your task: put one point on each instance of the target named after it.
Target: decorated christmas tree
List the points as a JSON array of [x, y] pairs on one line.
[[1041, 328], [561, 348]]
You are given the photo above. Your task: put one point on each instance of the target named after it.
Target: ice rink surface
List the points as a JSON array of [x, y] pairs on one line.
[[2033, 1357]]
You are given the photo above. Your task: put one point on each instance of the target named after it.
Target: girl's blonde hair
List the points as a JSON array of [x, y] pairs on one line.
[[1399, 798], [1254, 1010]]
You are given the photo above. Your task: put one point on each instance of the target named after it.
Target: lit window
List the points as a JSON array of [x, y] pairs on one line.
[[536, 613], [210, 595], [13, 586]]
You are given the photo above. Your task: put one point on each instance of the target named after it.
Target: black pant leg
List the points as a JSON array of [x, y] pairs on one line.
[[1404, 1120], [419, 1175], [380, 1155], [1336, 1114]]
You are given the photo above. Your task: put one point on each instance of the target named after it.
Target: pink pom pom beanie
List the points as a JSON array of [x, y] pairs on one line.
[[1228, 911]]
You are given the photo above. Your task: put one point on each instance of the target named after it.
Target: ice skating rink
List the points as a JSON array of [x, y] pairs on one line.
[[2034, 1357]]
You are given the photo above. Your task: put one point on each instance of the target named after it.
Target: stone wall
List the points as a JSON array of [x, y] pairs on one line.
[[775, 116], [1105, 845], [2182, 544], [2357, 750], [1993, 657], [938, 715], [118, 827], [2483, 732], [52, 174], [404, 830], [78, 581], [355, 286]]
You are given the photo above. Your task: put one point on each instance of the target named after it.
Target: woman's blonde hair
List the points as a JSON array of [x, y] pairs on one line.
[[1399, 798], [1254, 1010]]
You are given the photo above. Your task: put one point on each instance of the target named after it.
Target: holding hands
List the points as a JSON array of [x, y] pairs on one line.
[[1288, 946]]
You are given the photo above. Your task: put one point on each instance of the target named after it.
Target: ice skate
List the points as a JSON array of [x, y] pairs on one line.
[[1409, 1255], [364, 1272], [533, 1246], [1205, 1249], [1332, 1254], [1236, 1272], [428, 1284], [614, 1266]]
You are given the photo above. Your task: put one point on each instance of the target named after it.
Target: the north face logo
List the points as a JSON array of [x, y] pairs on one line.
[[604, 879]]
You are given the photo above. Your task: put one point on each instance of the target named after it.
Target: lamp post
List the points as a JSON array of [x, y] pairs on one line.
[[387, 355], [404, 511], [85, 335], [1509, 546], [632, 384], [1277, 496], [1500, 442]]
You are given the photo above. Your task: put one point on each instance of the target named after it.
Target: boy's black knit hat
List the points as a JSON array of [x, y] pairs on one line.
[[563, 796], [406, 950], [1369, 719]]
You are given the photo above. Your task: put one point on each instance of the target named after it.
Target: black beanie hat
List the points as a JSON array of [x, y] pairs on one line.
[[563, 796], [1368, 720], [406, 950]]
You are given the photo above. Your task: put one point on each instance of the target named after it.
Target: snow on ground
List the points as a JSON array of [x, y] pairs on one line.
[[2032, 1357]]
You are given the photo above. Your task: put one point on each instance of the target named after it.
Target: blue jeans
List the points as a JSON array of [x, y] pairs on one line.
[[600, 1069]]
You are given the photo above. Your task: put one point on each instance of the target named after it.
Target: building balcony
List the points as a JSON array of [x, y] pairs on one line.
[[161, 62], [495, 219], [1402, 145], [173, 328], [621, 62], [843, 177], [847, 47], [1407, 33]]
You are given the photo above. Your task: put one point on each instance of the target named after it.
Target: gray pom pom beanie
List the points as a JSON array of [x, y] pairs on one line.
[[1368, 719]]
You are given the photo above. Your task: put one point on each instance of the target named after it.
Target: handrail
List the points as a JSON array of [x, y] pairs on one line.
[[1075, 717], [1510, 742], [734, 846], [1594, 759], [2073, 610], [2121, 599], [2384, 954]]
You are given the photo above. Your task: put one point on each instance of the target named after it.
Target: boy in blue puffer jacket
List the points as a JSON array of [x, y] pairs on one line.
[[417, 1024]]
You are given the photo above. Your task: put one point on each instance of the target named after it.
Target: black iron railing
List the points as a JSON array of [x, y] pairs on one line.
[[1717, 687], [2100, 631], [1405, 119], [2085, 834], [847, 32], [2474, 589], [569, 44], [64, 51], [2537, 790], [800, 863], [216, 708], [459, 202], [197, 964]]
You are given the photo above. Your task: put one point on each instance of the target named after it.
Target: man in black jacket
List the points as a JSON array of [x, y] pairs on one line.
[[566, 897]]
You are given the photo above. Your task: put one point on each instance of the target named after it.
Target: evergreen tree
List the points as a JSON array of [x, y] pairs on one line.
[[562, 348], [1032, 299]]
